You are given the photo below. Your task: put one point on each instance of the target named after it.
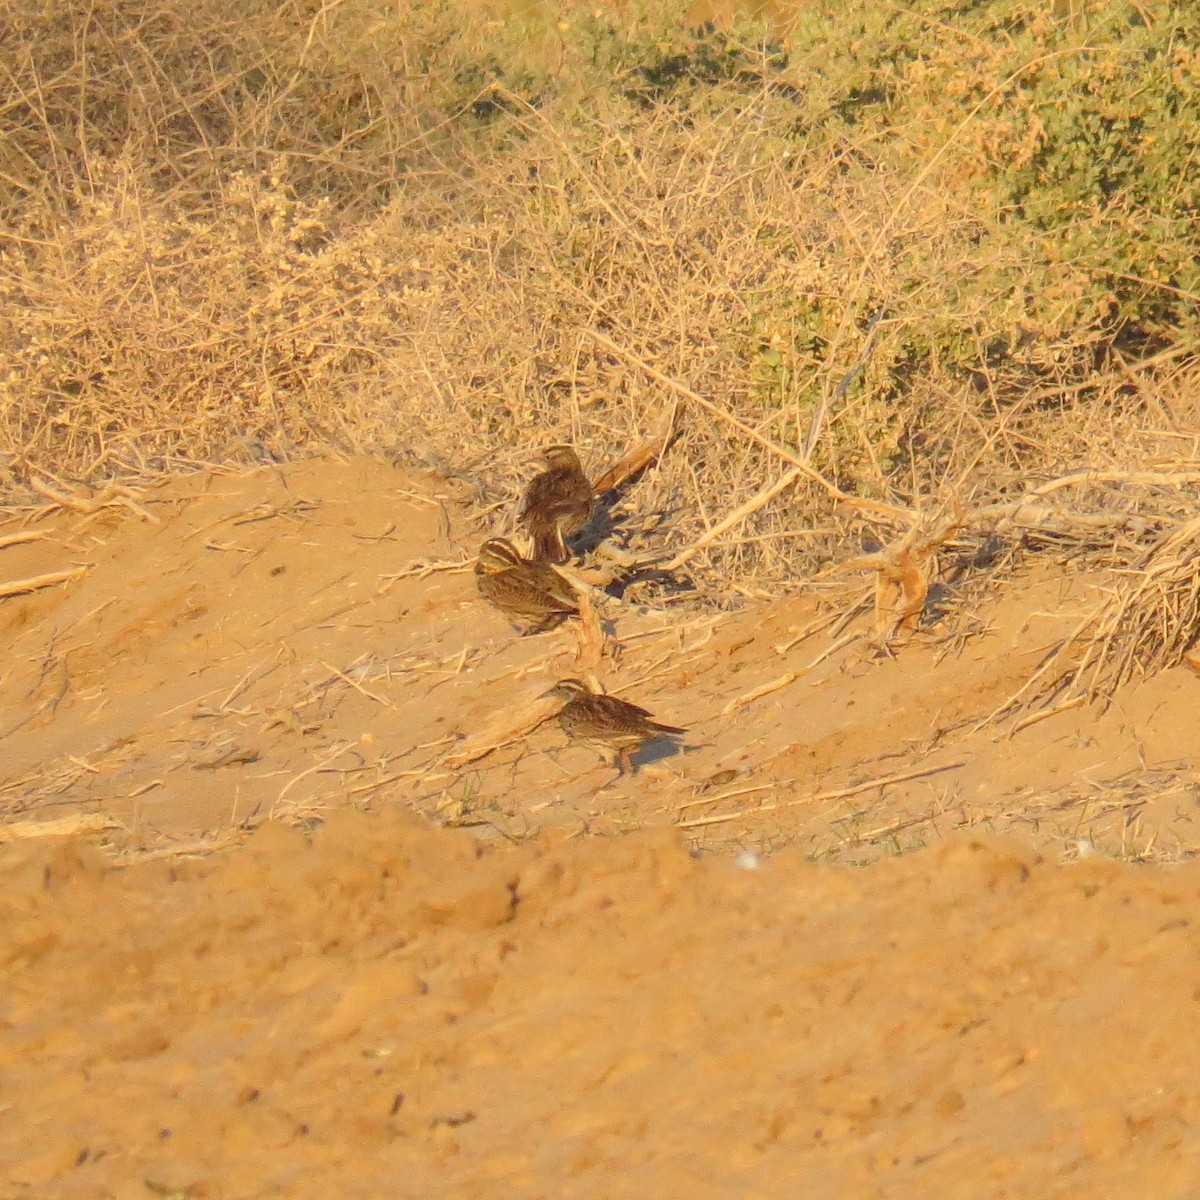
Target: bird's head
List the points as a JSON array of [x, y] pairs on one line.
[[498, 554], [568, 689], [560, 457]]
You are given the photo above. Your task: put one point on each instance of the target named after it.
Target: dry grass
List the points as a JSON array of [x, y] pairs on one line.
[[289, 232], [1149, 621]]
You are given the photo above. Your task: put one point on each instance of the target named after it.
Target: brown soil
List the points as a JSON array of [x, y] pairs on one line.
[[348, 1000]]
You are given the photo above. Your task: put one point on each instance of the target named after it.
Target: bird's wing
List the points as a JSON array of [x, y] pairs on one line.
[[623, 711], [538, 595]]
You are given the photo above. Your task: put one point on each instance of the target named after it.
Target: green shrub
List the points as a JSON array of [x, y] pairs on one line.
[[1081, 130]]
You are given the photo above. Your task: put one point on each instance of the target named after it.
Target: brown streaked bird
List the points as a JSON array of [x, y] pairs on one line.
[[607, 723], [533, 595], [558, 503]]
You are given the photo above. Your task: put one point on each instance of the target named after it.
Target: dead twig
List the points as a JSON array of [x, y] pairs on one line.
[[16, 539], [902, 574], [1150, 622], [634, 461], [736, 517], [58, 827], [759, 692], [422, 568], [18, 587], [858, 503], [508, 727], [86, 500], [313, 770], [821, 797], [358, 687]]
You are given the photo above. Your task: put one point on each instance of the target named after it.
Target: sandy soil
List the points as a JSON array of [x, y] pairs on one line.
[[268, 967]]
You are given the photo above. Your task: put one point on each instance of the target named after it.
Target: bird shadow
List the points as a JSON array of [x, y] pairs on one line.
[[602, 525], [599, 528], [655, 751], [661, 583]]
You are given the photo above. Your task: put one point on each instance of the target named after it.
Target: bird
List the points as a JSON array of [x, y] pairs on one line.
[[557, 503], [607, 723], [533, 595]]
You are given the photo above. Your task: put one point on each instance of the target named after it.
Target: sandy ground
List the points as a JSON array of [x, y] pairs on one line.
[[268, 964]]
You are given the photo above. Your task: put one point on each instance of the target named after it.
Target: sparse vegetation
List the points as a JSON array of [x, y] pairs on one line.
[[290, 227]]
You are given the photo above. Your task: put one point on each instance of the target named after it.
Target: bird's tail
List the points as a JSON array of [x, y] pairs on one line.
[[671, 729], [548, 544]]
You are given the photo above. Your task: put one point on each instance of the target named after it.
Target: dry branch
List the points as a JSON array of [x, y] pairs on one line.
[[18, 587], [1148, 623], [765, 689], [358, 687], [633, 461], [17, 539], [196, 848], [422, 568], [1030, 512], [591, 635], [1042, 518], [820, 797], [902, 573], [509, 726], [814, 626], [860, 504], [59, 827], [1046, 714], [738, 515], [85, 500], [1151, 620], [1089, 478]]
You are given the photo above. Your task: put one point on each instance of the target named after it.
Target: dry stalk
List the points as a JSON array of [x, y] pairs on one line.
[[358, 687], [821, 797], [193, 849], [19, 587], [313, 770], [57, 827], [845, 640], [902, 574], [422, 568], [511, 725], [634, 461], [821, 622], [590, 650], [1151, 620], [16, 539], [1030, 512], [736, 517], [765, 689], [858, 503], [86, 500], [1046, 714]]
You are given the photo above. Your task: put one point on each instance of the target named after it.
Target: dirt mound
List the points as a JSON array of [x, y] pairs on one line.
[[245, 983], [390, 1009]]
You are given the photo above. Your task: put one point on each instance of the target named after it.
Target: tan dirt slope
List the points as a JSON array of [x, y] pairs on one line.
[[350, 1001]]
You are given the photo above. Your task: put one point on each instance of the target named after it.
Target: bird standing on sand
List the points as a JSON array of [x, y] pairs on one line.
[[558, 503], [607, 723], [533, 595]]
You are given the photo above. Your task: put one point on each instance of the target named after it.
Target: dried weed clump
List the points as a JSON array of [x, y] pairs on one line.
[[1153, 619], [154, 336], [1148, 621], [312, 227]]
